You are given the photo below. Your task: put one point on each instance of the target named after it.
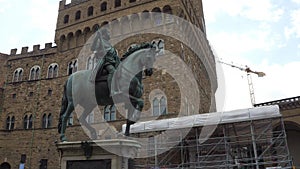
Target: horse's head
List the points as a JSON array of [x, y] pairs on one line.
[[149, 58]]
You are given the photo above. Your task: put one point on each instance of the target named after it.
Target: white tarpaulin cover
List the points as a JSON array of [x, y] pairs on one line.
[[256, 113]]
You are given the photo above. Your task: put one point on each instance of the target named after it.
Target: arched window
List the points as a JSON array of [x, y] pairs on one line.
[[18, 75], [132, 1], [52, 70], [72, 67], [155, 107], [90, 11], [117, 3], [110, 113], [103, 6], [159, 106], [66, 19], [35, 73], [77, 15]]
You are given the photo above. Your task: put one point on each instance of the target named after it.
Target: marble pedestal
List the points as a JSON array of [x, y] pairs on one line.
[[104, 154]]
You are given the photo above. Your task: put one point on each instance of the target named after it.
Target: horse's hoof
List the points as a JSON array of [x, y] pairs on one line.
[[63, 139], [94, 135]]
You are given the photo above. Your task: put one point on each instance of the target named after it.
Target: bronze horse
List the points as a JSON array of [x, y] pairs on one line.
[[78, 90]]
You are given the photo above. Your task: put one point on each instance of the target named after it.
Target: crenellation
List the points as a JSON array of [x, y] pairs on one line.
[[36, 48], [13, 51], [77, 1], [24, 50], [48, 46], [62, 4]]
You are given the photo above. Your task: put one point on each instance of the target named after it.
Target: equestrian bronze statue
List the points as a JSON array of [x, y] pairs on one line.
[[112, 81]]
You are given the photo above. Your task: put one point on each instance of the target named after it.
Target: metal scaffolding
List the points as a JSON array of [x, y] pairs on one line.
[[250, 144]]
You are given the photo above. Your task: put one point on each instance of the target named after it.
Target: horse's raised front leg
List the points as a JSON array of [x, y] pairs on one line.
[[82, 120], [64, 119]]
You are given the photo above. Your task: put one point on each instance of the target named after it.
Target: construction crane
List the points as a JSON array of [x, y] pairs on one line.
[[249, 78]]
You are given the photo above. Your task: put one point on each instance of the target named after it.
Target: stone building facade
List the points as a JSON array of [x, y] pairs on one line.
[[32, 82]]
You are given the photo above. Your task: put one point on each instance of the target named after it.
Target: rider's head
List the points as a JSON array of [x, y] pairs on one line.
[[105, 34]]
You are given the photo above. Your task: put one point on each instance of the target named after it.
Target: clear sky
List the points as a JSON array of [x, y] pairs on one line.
[[262, 34]]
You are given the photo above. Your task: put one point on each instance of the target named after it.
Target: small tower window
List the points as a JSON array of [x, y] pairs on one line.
[[66, 19], [77, 15], [14, 96], [30, 94], [117, 3], [49, 92], [104, 6], [90, 11]]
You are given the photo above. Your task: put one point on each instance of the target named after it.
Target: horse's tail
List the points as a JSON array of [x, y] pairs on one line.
[[64, 105]]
